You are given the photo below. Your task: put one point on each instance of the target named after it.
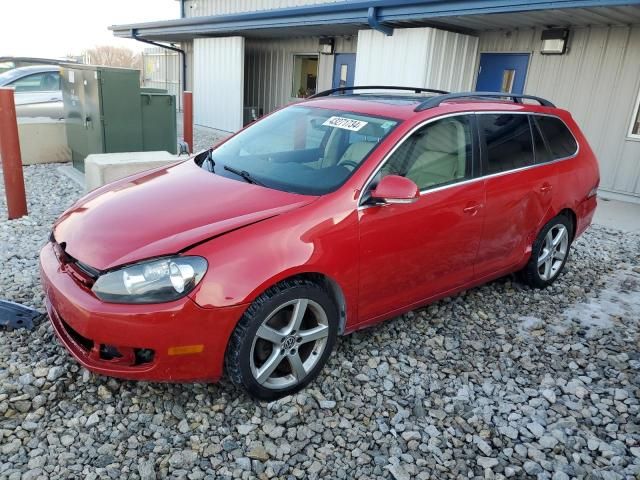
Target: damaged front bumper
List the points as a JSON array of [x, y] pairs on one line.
[[176, 341]]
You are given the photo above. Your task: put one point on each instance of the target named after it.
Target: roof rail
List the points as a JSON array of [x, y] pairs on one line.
[[517, 98], [326, 93]]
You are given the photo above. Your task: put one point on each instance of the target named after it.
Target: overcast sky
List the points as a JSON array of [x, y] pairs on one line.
[[54, 28]]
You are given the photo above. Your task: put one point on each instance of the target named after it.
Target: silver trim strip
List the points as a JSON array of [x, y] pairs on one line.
[[471, 180]]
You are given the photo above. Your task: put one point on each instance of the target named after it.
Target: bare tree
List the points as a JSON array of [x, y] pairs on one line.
[[113, 57]]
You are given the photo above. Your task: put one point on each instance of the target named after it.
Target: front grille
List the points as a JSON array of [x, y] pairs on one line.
[[84, 342]]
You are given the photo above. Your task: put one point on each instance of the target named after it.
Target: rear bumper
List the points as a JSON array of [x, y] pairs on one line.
[[84, 324]]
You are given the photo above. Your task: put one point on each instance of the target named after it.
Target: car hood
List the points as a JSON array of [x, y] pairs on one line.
[[162, 212]]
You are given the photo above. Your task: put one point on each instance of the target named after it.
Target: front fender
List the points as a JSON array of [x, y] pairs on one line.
[[244, 263]]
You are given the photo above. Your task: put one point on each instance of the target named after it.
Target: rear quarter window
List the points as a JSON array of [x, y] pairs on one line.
[[559, 139]]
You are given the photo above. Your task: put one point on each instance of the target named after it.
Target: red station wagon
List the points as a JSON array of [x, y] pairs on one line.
[[320, 219]]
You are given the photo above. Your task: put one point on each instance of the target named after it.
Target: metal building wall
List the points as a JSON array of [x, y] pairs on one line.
[[198, 8], [269, 68], [417, 57], [598, 82], [218, 82]]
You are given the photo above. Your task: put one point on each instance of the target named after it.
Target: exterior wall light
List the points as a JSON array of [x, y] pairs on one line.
[[554, 41], [327, 46]]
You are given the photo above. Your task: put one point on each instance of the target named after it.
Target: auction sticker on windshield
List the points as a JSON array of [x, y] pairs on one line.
[[345, 123]]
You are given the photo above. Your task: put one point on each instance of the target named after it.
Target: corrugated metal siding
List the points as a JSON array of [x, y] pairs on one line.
[[218, 82], [269, 69], [198, 8], [598, 82], [418, 57]]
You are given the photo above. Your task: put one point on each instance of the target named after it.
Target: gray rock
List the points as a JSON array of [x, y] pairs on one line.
[[398, 472], [487, 462], [93, 419], [411, 435], [548, 441], [11, 447], [245, 429], [532, 468], [327, 404], [549, 395], [146, 470], [508, 431], [55, 373], [244, 463], [536, 429]]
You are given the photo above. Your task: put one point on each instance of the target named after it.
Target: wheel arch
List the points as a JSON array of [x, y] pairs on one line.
[[329, 283], [571, 215]]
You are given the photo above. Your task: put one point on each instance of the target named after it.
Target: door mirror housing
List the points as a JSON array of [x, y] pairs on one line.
[[394, 189]]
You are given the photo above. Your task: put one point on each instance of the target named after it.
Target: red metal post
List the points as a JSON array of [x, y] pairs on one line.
[[11, 159], [187, 120]]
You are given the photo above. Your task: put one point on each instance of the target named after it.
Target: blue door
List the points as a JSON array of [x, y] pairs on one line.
[[344, 70], [502, 72]]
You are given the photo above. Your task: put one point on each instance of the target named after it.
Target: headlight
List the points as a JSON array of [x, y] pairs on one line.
[[155, 281]]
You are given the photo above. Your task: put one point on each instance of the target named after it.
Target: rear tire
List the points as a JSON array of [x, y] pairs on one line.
[[283, 340], [549, 253]]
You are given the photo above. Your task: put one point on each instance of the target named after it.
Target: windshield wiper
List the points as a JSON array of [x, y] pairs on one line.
[[244, 175]]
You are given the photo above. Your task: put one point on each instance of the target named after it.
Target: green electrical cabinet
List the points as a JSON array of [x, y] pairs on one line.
[[159, 130], [103, 111]]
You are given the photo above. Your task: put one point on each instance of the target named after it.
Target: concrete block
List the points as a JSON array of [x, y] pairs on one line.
[[43, 140], [103, 168]]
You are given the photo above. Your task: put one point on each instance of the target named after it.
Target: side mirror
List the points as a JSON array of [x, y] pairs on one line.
[[396, 189]]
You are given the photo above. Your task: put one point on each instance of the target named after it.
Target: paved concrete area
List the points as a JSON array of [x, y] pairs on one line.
[[620, 215]]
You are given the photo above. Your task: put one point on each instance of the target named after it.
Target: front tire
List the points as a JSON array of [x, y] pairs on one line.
[[283, 339], [549, 253]]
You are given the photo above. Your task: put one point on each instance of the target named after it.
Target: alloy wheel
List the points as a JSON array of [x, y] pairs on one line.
[[554, 252], [289, 343]]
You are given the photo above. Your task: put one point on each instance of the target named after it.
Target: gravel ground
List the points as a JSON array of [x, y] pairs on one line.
[[500, 381], [203, 137]]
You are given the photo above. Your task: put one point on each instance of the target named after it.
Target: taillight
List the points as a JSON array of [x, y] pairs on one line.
[[594, 191]]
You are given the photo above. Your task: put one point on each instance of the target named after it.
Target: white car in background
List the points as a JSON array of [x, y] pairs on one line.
[[37, 90]]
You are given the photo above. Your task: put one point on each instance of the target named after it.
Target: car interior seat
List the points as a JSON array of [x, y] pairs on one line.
[[440, 154]]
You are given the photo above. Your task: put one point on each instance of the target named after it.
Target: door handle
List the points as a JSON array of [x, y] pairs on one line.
[[546, 188], [472, 209]]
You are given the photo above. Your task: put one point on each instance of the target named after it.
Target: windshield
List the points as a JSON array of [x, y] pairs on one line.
[[304, 150]]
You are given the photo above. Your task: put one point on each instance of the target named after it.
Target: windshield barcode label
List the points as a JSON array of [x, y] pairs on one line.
[[345, 123]]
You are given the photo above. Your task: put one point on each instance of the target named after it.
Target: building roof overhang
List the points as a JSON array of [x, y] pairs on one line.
[[347, 17]]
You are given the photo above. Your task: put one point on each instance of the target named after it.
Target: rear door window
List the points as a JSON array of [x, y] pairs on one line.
[[558, 137], [508, 142]]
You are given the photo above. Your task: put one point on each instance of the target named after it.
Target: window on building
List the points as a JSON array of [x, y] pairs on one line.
[[508, 140], [558, 137], [305, 75], [39, 82], [438, 154], [635, 126]]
